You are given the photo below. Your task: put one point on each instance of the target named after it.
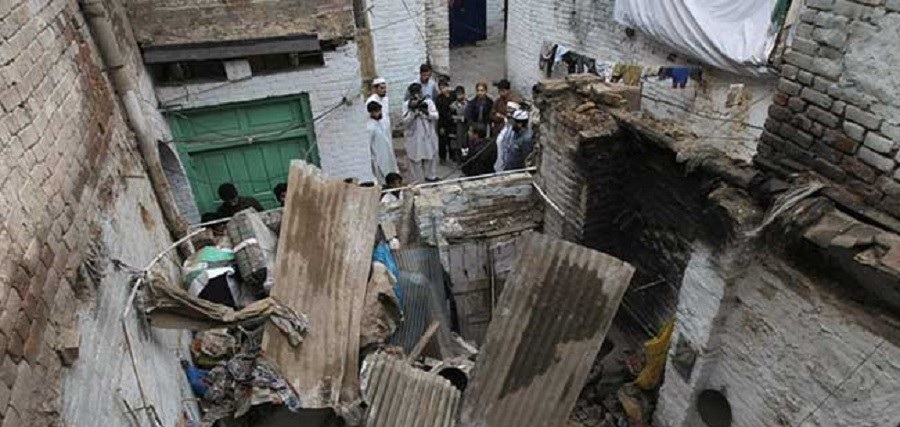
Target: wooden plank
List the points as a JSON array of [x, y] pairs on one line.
[[548, 326], [322, 266]]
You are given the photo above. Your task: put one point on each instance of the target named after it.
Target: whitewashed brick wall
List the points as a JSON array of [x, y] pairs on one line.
[[399, 48], [588, 27], [340, 135]]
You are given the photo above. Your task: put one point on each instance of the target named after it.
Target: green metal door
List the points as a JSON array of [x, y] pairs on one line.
[[249, 144]]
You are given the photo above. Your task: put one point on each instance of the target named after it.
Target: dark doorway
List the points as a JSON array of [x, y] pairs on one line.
[[468, 22]]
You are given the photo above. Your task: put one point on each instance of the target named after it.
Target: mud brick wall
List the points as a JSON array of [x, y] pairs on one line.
[[71, 184], [836, 110], [159, 22]]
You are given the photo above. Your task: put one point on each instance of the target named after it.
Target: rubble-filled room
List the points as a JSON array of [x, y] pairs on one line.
[[473, 213]]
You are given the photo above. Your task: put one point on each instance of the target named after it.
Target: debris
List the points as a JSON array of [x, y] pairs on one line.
[[400, 395], [426, 337], [381, 314], [656, 350], [209, 348], [551, 319], [242, 382], [321, 269], [68, 346], [172, 308], [634, 409], [254, 250]]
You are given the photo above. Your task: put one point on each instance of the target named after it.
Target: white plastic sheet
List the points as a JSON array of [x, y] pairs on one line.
[[733, 35]]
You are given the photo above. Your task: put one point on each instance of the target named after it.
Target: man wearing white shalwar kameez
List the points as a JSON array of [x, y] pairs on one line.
[[419, 118], [379, 95], [381, 147], [505, 137]]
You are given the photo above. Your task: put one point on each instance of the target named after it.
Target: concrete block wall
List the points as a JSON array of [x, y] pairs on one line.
[[437, 34], [588, 27], [836, 109], [340, 134], [70, 180]]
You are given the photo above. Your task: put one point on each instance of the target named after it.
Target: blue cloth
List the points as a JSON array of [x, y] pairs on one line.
[[196, 377], [382, 254], [680, 76]]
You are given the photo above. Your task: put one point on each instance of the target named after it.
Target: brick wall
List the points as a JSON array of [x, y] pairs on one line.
[[836, 108], [70, 179], [437, 34], [340, 134], [588, 27], [159, 22]]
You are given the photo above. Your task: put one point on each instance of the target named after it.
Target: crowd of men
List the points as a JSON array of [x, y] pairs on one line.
[[441, 124]]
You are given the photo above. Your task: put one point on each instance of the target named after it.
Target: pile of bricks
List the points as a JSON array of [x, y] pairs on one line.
[[824, 120]]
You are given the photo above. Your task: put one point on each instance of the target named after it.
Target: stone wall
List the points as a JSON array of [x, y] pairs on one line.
[[588, 27], [73, 193], [162, 22], [837, 111]]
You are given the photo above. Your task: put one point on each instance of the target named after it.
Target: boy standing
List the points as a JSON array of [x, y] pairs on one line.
[[459, 137]]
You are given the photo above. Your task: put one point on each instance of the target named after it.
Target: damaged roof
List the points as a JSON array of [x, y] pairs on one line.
[[322, 266], [400, 395], [552, 316]]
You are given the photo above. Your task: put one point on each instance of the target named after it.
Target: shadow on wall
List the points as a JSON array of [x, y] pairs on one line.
[[178, 181]]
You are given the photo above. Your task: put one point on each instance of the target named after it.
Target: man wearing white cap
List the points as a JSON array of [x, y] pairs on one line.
[[521, 142], [504, 138], [379, 95]]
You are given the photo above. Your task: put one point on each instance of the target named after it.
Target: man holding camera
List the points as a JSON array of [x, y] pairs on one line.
[[419, 118]]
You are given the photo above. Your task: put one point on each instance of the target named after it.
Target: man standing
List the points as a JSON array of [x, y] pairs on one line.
[[379, 95], [521, 142], [501, 111], [233, 203], [429, 87], [381, 146], [446, 127], [504, 137], [419, 117]]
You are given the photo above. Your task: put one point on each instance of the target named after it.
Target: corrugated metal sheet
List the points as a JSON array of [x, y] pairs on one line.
[[402, 396], [552, 317], [322, 266], [424, 300]]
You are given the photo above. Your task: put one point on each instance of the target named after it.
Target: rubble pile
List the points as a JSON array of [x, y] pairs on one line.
[[328, 316]]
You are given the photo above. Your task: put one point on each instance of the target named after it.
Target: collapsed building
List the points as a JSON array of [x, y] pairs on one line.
[[780, 275]]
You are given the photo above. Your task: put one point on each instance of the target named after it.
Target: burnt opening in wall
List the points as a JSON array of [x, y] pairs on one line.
[[636, 199]]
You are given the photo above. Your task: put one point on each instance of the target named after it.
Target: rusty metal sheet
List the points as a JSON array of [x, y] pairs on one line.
[[321, 269], [549, 323], [400, 395]]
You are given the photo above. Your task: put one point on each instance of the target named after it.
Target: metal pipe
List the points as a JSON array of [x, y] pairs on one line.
[[100, 24]]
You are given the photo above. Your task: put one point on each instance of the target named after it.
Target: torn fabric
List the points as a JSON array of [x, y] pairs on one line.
[[172, 308]]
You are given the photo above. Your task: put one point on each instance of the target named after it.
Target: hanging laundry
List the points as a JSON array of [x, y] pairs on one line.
[[680, 76], [560, 51], [605, 70]]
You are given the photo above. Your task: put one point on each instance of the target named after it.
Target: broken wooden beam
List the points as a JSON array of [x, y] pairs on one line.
[[550, 321]]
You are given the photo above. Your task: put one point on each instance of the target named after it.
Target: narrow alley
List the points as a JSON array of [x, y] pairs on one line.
[[473, 213]]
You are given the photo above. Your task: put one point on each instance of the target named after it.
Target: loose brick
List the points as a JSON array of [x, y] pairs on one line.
[[879, 143], [871, 158], [779, 113], [854, 131], [838, 107], [805, 77], [829, 170], [789, 71], [806, 46], [866, 119], [797, 104], [799, 59]]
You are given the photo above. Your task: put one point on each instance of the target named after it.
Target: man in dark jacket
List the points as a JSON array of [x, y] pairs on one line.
[[233, 203], [445, 125]]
